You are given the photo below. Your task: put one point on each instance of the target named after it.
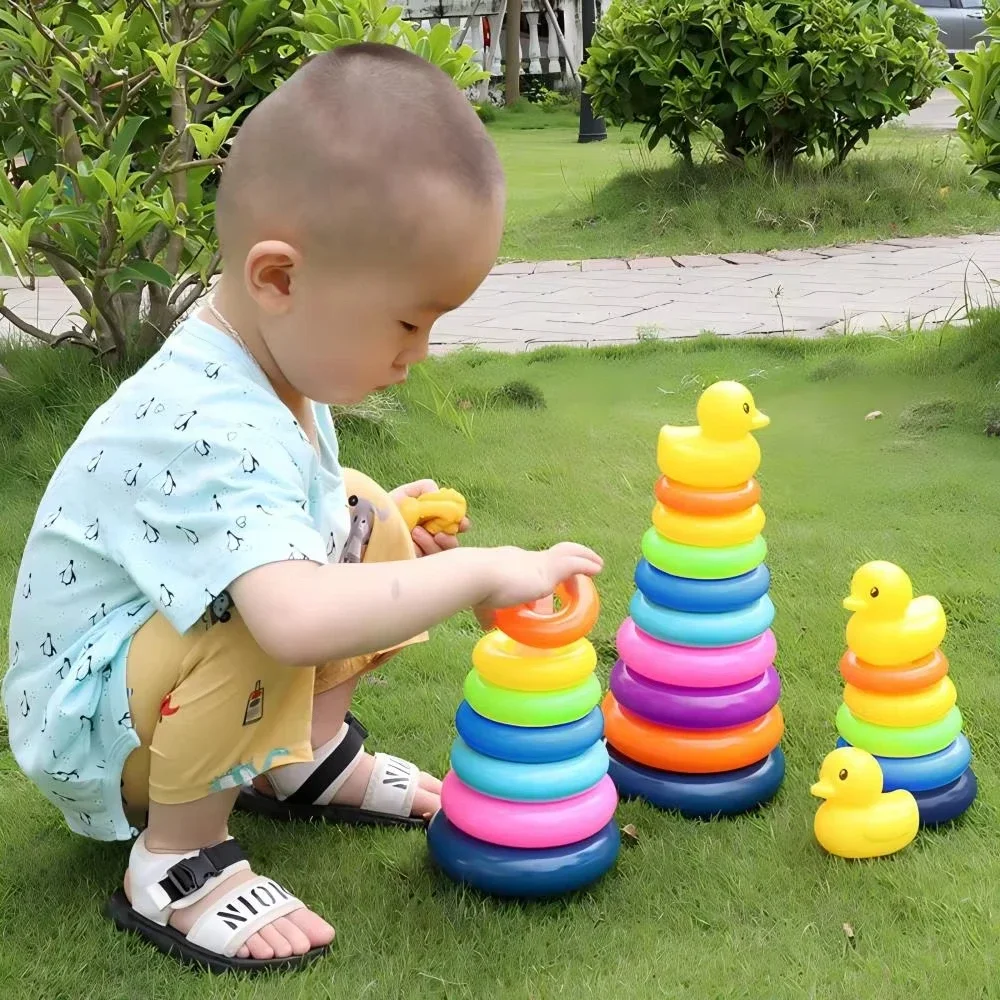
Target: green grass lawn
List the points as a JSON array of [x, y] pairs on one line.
[[743, 908], [615, 199]]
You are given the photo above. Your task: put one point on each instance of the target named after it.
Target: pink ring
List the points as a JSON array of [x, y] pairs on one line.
[[528, 824], [685, 666]]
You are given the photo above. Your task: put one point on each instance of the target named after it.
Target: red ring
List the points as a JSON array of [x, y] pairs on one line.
[[893, 680], [708, 503], [690, 751], [577, 616]]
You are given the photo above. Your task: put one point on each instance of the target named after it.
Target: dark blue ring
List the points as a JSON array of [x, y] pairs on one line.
[[701, 596], [922, 774], [528, 745], [512, 871], [724, 793], [942, 805]]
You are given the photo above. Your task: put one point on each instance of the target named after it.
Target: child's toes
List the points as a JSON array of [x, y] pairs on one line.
[[257, 947], [296, 938], [277, 941], [317, 931]]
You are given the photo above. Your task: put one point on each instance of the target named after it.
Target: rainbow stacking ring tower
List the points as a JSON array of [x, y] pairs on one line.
[[527, 808], [899, 702], [692, 721]]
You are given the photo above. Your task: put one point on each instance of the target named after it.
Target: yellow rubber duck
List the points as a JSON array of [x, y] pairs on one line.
[[858, 820], [438, 512], [889, 628], [720, 452]]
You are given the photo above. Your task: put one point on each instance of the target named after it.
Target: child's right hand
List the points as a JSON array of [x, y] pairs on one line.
[[521, 577]]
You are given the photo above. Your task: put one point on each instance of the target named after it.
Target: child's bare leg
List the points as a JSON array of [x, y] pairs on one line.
[[209, 708]]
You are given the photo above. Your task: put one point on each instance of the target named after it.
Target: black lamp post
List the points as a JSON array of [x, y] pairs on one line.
[[591, 129]]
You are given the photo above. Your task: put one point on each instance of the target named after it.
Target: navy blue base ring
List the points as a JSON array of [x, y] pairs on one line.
[[921, 774], [942, 805], [528, 745], [701, 596], [512, 871], [725, 793]]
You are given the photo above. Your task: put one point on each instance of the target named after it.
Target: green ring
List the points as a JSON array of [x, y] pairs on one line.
[[883, 741], [697, 563], [532, 708]]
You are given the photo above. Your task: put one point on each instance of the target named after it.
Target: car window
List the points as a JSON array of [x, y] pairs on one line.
[[935, 3], [973, 4]]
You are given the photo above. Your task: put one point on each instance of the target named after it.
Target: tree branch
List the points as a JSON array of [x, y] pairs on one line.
[[211, 161], [25, 327], [50, 36]]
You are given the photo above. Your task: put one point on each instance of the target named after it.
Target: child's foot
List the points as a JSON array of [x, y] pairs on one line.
[[343, 784], [296, 933]]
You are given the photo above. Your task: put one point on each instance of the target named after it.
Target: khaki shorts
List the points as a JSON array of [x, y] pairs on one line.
[[212, 710]]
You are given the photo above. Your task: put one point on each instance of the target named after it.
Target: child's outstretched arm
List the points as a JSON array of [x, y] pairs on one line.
[[305, 613]]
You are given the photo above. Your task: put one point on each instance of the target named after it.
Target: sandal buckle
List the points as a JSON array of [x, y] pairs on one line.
[[189, 875]]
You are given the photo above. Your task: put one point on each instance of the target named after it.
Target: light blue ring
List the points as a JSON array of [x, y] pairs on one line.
[[683, 628], [504, 779]]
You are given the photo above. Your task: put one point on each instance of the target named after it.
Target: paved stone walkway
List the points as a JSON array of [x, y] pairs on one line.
[[850, 289]]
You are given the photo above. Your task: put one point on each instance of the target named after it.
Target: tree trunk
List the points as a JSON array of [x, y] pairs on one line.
[[512, 70]]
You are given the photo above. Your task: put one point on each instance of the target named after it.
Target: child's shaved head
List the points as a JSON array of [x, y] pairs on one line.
[[345, 155]]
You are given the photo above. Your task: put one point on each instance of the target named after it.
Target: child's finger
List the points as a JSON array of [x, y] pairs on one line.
[[424, 541]]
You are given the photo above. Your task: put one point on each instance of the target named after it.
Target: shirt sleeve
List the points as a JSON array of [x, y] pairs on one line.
[[227, 504]]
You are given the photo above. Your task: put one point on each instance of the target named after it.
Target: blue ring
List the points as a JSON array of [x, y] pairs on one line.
[[512, 871], [701, 596], [682, 628], [923, 774], [528, 745], [725, 793], [942, 805], [504, 779]]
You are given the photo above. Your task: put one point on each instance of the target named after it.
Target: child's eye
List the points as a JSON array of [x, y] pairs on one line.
[[408, 327]]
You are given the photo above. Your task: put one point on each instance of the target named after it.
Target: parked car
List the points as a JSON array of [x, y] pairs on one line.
[[960, 22]]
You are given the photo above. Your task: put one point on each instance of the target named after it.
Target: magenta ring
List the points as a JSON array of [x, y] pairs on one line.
[[696, 708], [690, 667]]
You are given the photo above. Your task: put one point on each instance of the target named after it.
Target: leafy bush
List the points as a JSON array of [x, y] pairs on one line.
[[114, 117], [976, 84], [779, 79]]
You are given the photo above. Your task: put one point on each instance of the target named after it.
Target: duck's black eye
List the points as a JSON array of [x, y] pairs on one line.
[[746, 407], [873, 592], [843, 775]]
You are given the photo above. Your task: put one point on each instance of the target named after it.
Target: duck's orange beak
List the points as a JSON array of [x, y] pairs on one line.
[[854, 603], [760, 420]]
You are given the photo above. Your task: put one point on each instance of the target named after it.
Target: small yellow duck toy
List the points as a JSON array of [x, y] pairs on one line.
[[439, 512], [720, 452], [858, 820], [889, 628]]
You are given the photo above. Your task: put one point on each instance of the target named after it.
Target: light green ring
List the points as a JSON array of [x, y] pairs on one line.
[[883, 741], [697, 563], [532, 708]]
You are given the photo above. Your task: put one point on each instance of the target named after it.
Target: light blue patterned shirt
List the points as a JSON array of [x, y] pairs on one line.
[[192, 474]]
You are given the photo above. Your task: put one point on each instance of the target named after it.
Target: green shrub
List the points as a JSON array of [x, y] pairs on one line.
[[114, 117], [976, 84], [775, 79]]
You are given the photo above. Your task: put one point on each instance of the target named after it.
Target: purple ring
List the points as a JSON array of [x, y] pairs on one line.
[[695, 708]]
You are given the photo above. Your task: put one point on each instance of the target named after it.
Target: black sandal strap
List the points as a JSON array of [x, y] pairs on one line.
[[355, 723], [190, 874], [332, 766]]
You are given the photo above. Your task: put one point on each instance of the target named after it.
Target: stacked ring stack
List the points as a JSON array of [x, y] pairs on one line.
[[900, 703], [692, 719], [527, 808]]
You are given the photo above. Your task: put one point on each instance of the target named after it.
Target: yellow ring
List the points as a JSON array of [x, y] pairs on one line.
[[899, 711], [709, 532], [505, 663]]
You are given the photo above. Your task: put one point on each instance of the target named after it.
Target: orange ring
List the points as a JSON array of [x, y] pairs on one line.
[[574, 620], [690, 751], [709, 503], [893, 680]]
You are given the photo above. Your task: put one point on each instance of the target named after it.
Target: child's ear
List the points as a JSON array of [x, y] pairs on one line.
[[268, 273]]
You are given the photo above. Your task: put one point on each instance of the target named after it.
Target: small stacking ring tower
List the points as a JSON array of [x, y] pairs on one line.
[[527, 808], [899, 702], [692, 719]]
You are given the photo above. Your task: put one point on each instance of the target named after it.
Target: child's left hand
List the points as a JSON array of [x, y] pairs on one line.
[[426, 543]]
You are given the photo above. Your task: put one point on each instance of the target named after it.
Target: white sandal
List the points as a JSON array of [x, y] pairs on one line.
[[306, 791], [163, 883]]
